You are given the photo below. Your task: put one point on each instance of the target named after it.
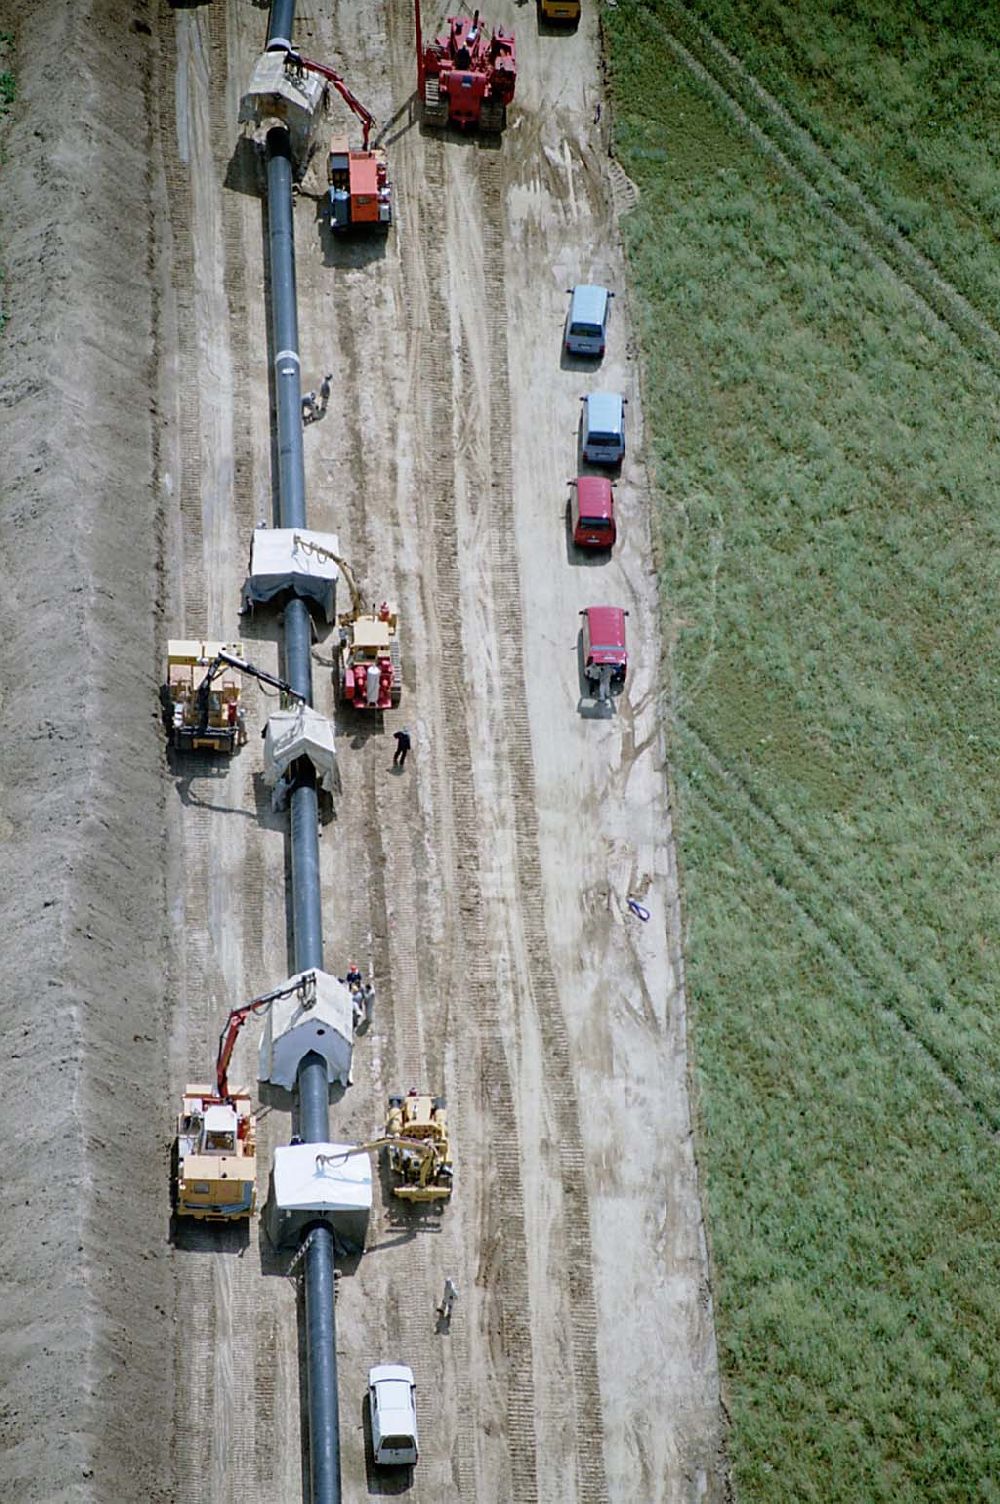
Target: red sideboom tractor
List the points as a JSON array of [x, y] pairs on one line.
[[464, 77]]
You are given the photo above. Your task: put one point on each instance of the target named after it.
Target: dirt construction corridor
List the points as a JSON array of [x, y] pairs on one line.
[[484, 888]]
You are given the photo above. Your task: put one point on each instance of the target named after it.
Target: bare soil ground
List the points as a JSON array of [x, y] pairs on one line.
[[485, 888]]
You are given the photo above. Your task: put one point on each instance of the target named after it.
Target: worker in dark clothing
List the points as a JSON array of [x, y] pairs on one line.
[[402, 747], [324, 392]]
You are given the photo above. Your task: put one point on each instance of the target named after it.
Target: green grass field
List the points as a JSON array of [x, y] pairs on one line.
[[821, 376]]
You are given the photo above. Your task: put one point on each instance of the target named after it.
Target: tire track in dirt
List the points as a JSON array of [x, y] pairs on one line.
[[187, 490], [216, 1438], [837, 199], [484, 1075], [559, 1077]]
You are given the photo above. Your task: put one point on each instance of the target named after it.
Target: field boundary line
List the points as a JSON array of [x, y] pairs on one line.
[[839, 200]]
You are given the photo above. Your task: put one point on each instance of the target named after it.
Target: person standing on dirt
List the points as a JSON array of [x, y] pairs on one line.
[[402, 747], [308, 407], [324, 392]]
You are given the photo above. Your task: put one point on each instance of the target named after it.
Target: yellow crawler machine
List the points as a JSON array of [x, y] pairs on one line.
[[369, 675], [216, 1175], [203, 694], [204, 715], [423, 1174]]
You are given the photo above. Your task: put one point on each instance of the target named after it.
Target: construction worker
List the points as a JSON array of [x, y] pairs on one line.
[[358, 1005], [353, 977], [402, 747], [308, 407], [324, 391], [369, 996]]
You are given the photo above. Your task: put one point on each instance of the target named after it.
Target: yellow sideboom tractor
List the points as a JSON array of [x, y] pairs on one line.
[[202, 694], [424, 1172]]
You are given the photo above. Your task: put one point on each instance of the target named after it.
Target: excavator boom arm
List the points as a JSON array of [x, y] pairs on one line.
[[353, 103], [229, 660], [238, 1017], [357, 599]]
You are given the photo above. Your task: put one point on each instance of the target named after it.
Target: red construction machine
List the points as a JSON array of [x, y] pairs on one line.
[[464, 77], [360, 190]]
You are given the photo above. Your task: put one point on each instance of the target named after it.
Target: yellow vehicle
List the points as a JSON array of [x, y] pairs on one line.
[[215, 1174], [202, 694], [370, 672], [216, 1177], [423, 1174], [559, 10]]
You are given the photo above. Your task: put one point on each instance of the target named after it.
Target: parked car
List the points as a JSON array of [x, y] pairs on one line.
[[603, 428], [392, 1398], [592, 512], [605, 656], [587, 319]]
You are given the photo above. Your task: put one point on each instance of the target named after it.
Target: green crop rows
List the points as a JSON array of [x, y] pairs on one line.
[[815, 279]]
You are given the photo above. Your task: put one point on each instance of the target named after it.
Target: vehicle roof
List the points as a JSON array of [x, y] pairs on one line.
[[364, 173], [590, 301], [606, 626], [605, 412], [220, 1120], [594, 495], [387, 1372], [370, 632]]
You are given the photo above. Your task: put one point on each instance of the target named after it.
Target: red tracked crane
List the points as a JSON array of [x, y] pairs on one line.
[[464, 77]]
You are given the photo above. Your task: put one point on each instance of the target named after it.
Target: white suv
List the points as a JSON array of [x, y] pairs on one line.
[[392, 1396]]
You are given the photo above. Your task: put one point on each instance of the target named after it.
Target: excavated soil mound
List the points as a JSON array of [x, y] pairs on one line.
[[84, 1389]]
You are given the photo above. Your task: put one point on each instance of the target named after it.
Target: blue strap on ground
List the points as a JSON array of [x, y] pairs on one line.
[[638, 910]]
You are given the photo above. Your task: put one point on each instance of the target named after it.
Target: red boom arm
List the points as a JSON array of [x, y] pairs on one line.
[[366, 118]]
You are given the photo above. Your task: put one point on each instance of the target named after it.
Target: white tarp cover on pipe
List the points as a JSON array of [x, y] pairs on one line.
[[302, 732], [322, 1177], [318, 1016], [295, 560]]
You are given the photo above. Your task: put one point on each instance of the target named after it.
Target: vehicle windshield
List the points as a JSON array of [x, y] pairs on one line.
[[586, 331], [596, 522], [603, 439], [398, 1443]]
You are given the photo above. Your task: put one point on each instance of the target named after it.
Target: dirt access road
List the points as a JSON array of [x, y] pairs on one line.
[[485, 887]]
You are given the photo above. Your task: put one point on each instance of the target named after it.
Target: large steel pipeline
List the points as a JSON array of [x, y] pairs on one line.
[[311, 1082]]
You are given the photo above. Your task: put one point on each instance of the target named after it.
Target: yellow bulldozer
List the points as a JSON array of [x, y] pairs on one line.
[[423, 1174], [416, 1145]]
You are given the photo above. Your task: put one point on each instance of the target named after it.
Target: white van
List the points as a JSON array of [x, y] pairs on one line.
[[392, 1398], [603, 428], [587, 320]]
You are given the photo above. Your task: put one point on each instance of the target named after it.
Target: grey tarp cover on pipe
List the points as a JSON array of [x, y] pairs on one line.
[[302, 732], [292, 561], [321, 1025]]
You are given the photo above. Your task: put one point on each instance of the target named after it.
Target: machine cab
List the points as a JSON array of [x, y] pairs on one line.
[[220, 1131], [605, 656], [592, 512], [603, 428], [587, 319]]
